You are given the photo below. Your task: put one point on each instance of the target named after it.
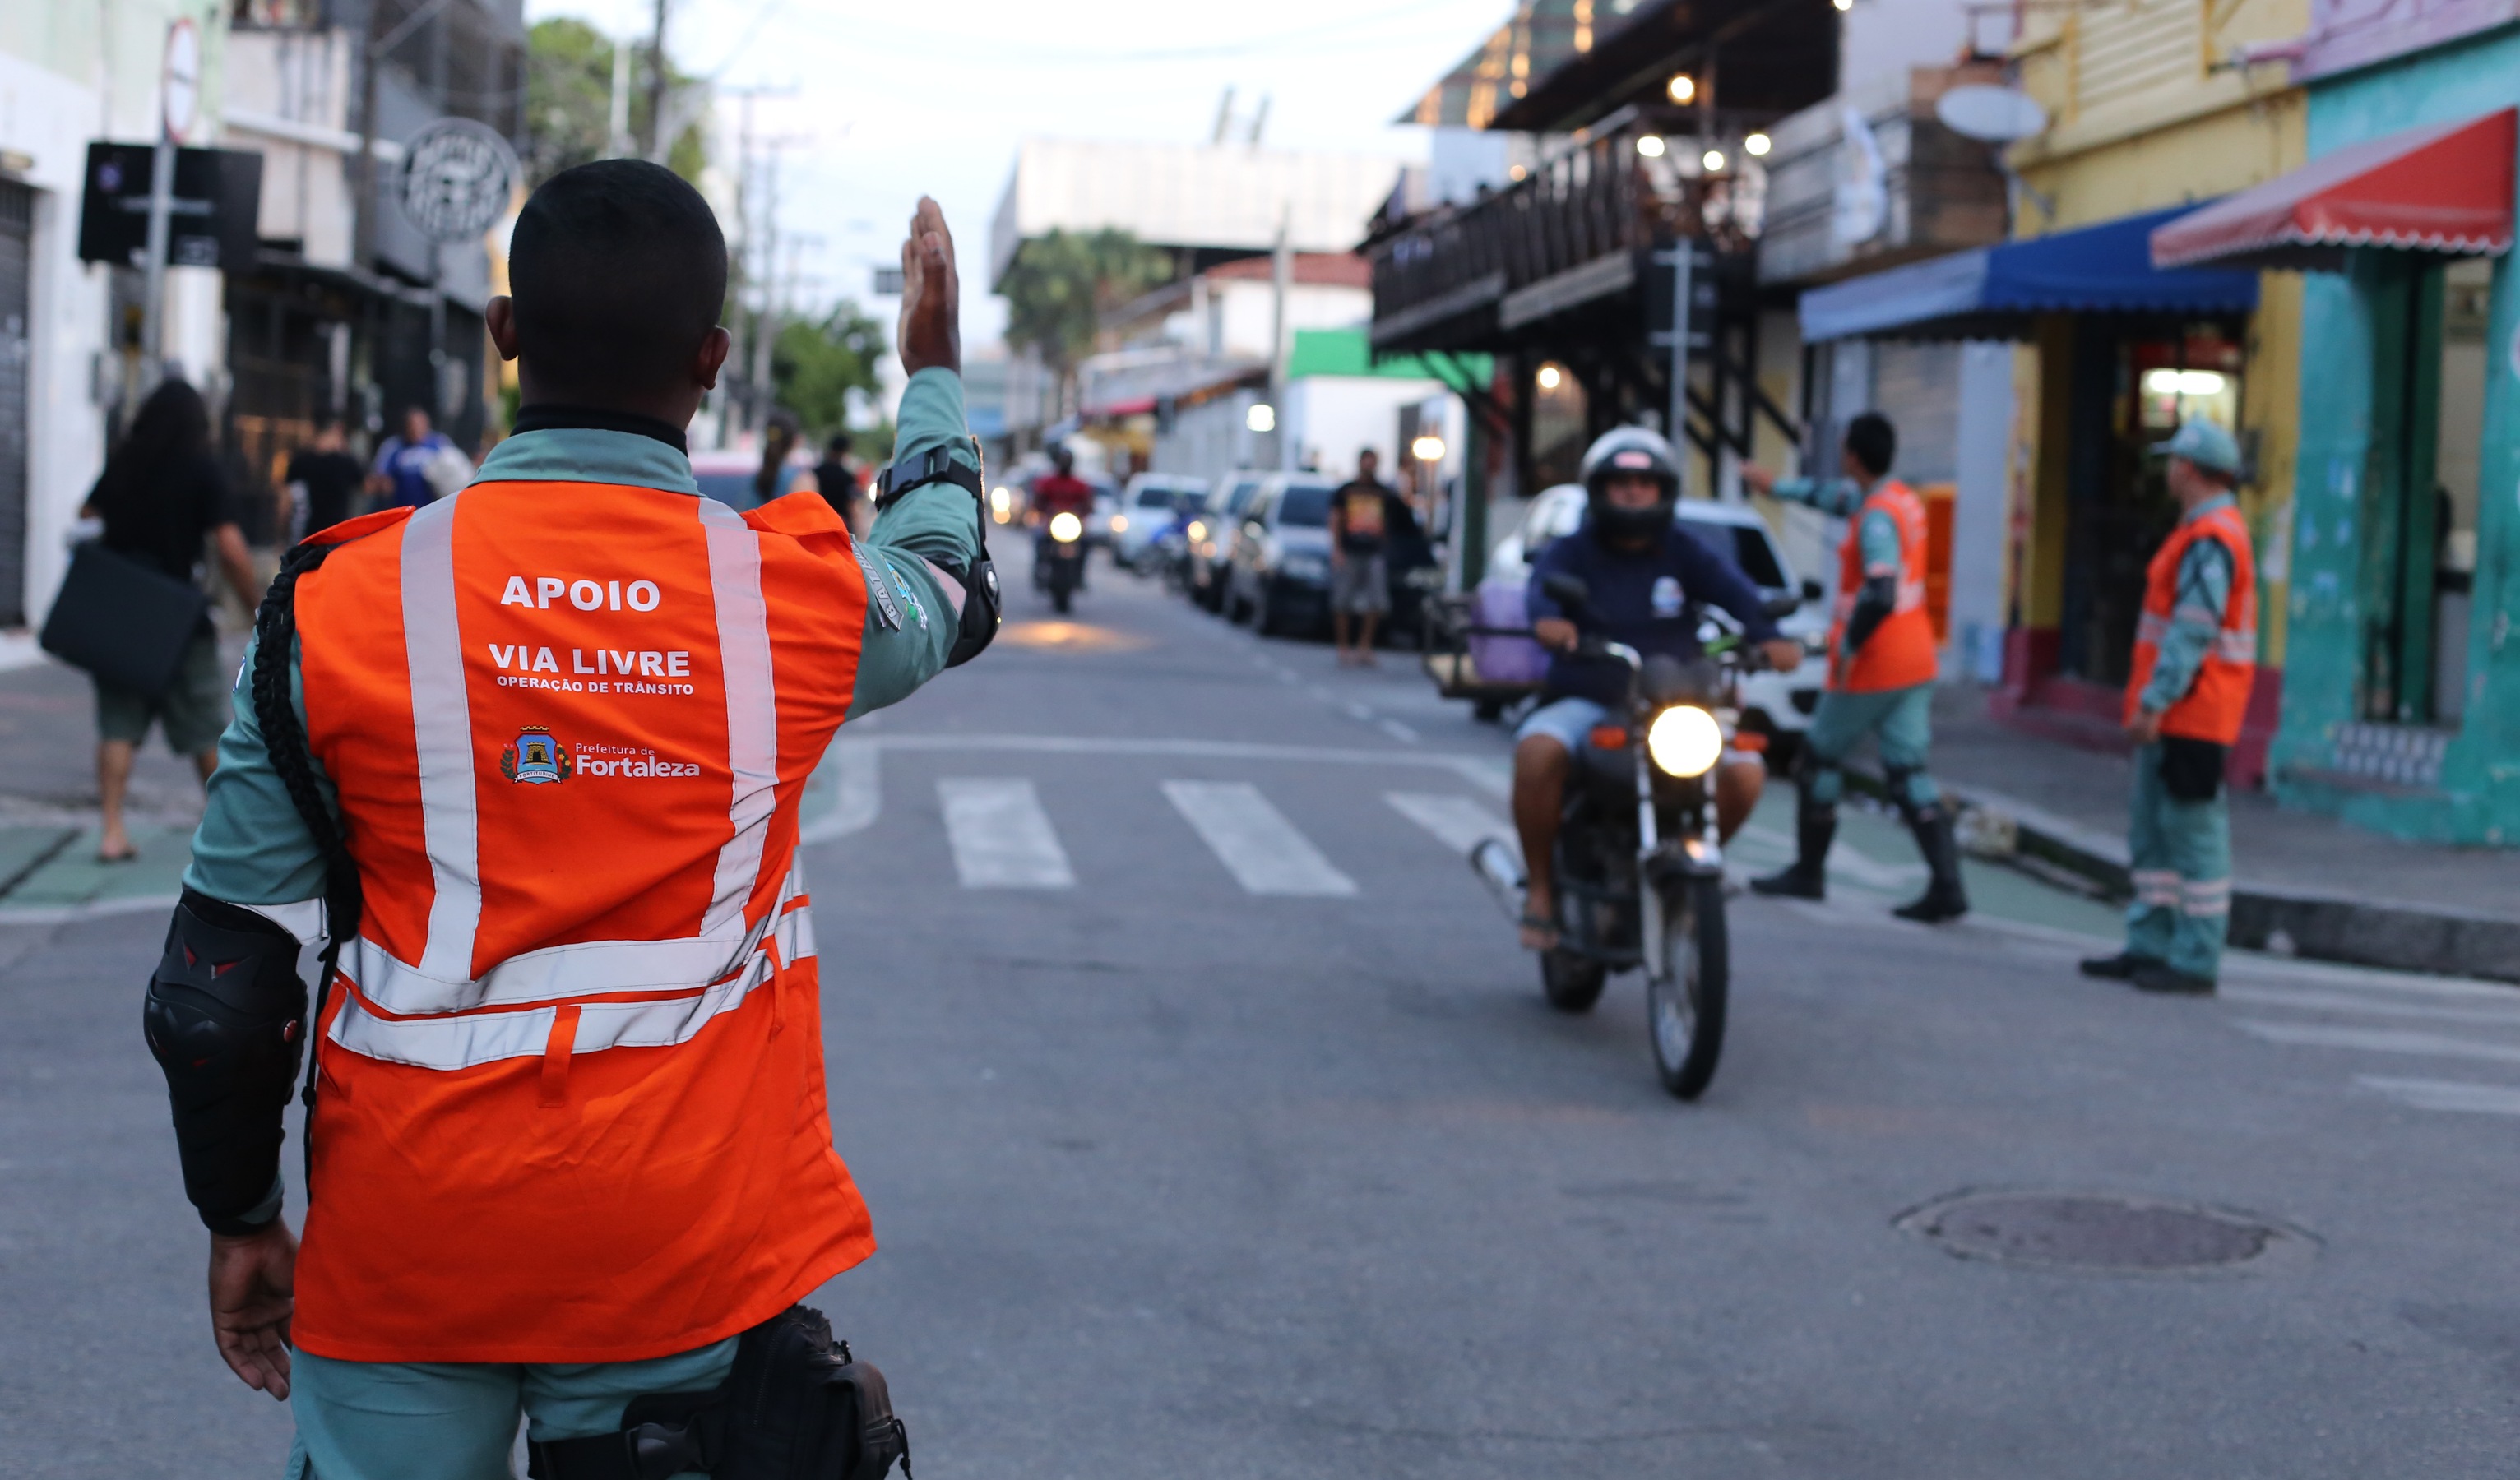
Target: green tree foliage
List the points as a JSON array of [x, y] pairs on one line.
[[568, 101], [1061, 284], [814, 365]]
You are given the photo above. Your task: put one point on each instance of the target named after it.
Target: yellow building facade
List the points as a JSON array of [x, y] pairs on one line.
[[2150, 106]]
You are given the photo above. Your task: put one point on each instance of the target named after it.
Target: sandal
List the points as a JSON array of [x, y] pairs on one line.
[[1538, 924]]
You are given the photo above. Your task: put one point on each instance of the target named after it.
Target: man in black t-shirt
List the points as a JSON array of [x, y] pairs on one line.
[[321, 480], [1363, 515]]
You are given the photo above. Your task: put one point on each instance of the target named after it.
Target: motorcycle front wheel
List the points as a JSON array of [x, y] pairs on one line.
[[1685, 1007]]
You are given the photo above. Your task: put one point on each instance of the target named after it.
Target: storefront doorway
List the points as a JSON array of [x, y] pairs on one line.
[[2428, 431], [2132, 387]]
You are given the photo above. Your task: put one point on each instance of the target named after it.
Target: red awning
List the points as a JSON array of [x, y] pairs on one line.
[[1135, 408], [2444, 188]]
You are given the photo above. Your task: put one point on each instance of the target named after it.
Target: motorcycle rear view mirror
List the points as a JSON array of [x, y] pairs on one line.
[[1568, 591], [1783, 606]]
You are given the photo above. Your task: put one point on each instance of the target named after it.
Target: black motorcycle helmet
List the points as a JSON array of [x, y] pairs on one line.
[[1630, 450]]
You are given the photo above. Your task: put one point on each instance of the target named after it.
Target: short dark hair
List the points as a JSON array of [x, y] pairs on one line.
[[1363, 453], [1874, 441], [838, 443], [618, 271]]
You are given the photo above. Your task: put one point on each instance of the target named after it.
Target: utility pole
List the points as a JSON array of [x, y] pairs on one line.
[[1281, 273], [658, 143], [741, 274], [765, 316], [617, 134]]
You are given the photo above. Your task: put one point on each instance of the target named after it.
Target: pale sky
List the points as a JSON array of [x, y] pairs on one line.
[[894, 99]]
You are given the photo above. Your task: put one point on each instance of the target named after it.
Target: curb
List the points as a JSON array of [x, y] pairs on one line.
[[2363, 932]]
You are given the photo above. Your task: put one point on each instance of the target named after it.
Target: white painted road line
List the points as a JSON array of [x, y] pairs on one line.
[[1457, 822], [2381, 1041], [1398, 730], [2445, 1094], [2305, 999], [1002, 838], [857, 793], [1254, 841]]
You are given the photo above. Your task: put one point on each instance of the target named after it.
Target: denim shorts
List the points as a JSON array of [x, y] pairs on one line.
[[1566, 721]]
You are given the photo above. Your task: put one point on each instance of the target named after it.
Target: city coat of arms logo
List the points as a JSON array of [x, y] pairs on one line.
[[533, 758]]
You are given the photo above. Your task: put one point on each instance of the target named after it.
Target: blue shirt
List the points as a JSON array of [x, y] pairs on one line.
[[407, 463], [1642, 599]]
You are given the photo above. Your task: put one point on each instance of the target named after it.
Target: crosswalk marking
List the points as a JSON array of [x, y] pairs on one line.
[[1255, 841], [2381, 1041], [1001, 837], [1457, 822], [2457, 1095], [2307, 1000]]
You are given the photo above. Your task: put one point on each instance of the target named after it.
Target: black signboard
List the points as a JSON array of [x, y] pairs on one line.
[[216, 201]]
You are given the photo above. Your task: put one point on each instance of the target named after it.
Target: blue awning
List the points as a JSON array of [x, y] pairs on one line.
[[1995, 293]]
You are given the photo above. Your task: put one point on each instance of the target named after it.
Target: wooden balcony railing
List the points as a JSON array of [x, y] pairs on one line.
[[1439, 281]]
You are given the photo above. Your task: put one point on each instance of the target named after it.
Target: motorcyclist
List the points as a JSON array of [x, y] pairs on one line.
[[1057, 492], [1642, 572]]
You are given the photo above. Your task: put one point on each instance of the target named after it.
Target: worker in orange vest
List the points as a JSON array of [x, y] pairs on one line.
[[528, 761], [2196, 658], [1881, 669]]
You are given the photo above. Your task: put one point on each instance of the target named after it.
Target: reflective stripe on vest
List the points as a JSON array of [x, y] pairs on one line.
[[447, 1039], [442, 980]]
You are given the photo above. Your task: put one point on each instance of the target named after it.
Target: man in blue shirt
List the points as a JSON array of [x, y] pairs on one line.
[[401, 472], [1642, 575]]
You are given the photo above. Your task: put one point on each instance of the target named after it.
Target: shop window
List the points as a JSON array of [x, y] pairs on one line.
[[1560, 424], [2428, 431], [2132, 388]]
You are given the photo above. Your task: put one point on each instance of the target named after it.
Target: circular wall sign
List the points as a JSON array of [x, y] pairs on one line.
[[457, 176]]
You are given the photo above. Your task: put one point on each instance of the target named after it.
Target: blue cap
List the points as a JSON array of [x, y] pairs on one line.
[[2204, 444]]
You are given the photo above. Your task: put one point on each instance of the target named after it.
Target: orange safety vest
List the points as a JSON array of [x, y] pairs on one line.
[[2219, 701], [1899, 652], [571, 1097]]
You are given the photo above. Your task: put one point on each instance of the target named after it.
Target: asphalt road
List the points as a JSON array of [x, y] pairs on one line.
[[1213, 1127]]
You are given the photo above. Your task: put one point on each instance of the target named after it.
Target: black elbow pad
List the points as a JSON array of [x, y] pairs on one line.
[[226, 1021], [1874, 601]]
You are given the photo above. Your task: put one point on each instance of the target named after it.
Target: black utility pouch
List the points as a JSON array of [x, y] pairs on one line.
[[797, 1406], [2191, 770], [801, 1406]]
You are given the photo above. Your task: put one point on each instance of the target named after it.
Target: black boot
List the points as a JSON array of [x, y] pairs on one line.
[[1946, 898], [1815, 829]]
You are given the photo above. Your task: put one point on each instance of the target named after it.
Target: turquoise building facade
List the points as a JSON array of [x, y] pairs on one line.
[[2401, 685]]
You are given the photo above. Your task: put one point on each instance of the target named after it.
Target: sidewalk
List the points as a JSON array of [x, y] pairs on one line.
[[48, 820], [2307, 883]]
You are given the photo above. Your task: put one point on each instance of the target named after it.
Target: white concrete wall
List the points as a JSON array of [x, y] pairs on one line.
[[1209, 440], [1327, 419], [1237, 315], [1985, 438], [50, 118]]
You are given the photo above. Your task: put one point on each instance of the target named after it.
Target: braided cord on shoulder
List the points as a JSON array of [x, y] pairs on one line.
[[284, 737]]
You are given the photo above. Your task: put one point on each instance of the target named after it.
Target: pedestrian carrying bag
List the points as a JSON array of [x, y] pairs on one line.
[[124, 620], [796, 1405]]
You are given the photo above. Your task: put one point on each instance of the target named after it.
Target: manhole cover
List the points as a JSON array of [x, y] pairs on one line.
[[2099, 1232]]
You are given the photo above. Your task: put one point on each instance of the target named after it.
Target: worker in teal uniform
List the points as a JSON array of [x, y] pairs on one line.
[[1881, 669], [2188, 694]]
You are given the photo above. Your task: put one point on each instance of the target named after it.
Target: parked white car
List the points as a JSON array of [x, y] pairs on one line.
[[1784, 701], [1146, 509]]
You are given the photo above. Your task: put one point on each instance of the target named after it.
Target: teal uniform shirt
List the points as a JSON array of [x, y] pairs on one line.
[[252, 849], [1877, 536], [2195, 614]]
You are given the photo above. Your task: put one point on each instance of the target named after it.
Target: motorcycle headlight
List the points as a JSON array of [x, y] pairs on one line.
[[1685, 740], [1067, 528], [1198, 531]]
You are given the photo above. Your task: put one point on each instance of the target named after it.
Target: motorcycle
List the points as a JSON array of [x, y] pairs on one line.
[[1059, 560], [1639, 863]]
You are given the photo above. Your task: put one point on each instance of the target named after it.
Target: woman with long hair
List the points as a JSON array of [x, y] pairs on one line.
[[161, 500]]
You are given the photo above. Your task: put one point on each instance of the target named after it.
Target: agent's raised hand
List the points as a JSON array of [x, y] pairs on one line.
[[930, 334]]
